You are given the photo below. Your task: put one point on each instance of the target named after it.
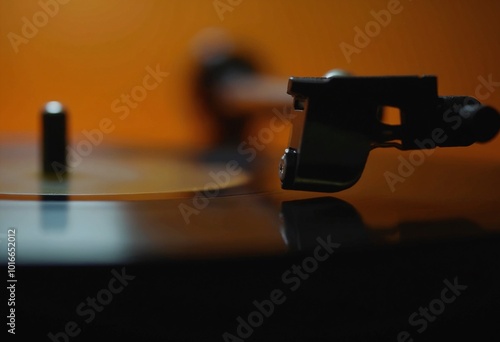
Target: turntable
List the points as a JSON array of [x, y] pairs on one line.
[[379, 222]]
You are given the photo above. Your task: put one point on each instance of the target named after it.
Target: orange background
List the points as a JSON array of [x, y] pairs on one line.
[[92, 51]]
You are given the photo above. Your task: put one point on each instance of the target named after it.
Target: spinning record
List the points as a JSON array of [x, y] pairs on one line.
[[114, 171]]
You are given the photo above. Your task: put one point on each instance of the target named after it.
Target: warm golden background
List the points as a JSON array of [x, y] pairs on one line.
[[92, 51]]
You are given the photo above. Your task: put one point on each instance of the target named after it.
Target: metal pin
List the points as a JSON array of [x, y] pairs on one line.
[[54, 139]]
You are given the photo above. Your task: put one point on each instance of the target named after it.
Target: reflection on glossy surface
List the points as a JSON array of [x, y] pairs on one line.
[[306, 220], [275, 223], [54, 216], [59, 232], [451, 195]]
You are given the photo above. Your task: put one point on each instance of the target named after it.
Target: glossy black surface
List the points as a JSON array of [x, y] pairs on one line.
[[353, 267]]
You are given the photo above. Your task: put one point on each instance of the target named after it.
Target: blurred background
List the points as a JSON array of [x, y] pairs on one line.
[[87, 53]]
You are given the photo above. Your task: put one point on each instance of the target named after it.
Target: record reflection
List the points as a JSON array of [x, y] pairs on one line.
[[304, 221]]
